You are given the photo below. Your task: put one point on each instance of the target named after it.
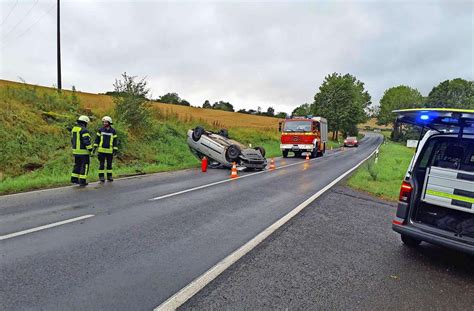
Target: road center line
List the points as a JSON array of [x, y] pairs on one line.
[[229, 180], [199, 283], [55, 224]]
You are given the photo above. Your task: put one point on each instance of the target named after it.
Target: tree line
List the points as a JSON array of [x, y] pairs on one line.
[[457, 93], [344, 102]]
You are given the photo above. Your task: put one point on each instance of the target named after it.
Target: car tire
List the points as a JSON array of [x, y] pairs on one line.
[[197, 133], [285, 153], [261, 150], [409, 241], [232, 153]]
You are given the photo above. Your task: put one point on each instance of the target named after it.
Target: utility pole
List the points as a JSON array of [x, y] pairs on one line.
[[59, 50]]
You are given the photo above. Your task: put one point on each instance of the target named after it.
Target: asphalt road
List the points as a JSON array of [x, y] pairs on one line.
[[340, 253], [146, 237]]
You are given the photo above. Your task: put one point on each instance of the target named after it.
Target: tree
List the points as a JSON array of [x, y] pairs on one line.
[[398, 97], [456, 93], [342, 100], [222, 105], [302, 110], [174, 99], [242, 111], [206, 105], [281, 115], [270, 112], [130, 101]]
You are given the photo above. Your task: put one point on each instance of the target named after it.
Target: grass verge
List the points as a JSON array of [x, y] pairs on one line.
[[383, 178]]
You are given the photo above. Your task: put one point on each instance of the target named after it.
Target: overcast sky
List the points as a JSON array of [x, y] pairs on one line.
[[271, 53]]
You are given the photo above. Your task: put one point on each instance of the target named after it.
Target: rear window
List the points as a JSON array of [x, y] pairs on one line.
[[448, 152]]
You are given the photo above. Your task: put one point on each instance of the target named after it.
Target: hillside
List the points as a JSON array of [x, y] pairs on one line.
[[35, 139], [103, 104]]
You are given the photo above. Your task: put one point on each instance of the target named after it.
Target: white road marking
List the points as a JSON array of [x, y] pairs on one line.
[[229, 179], [59, 223], [196, 285]]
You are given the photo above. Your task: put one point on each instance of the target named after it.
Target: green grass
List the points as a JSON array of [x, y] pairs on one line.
[[383, 179], [36, 143]]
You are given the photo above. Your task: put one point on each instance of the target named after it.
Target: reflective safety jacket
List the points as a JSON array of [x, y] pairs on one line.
[[80, 141], [106, 140]]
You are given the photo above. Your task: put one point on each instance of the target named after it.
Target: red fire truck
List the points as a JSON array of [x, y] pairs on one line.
[[303, 135]]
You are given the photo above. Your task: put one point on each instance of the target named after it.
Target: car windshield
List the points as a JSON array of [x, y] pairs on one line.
[[297, 126]]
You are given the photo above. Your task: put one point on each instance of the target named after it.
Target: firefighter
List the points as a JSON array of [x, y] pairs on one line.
[[81, 149], [107, 144]]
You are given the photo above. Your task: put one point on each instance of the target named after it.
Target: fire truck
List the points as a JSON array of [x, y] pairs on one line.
[[303, 135]]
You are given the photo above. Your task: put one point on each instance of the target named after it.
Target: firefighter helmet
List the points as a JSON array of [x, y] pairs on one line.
[[107, 119], [84, 119]]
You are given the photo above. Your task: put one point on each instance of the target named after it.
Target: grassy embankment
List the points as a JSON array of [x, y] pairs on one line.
[[35, 140], [383, 179]]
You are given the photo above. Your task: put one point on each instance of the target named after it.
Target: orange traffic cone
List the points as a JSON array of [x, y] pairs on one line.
[[233, 173], [307, 155], [272, 164]]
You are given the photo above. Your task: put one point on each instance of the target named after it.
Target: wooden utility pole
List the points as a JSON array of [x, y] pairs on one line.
[[59, 49]]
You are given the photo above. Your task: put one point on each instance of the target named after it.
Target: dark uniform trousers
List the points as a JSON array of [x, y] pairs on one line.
[[81, 169], [102, 158]]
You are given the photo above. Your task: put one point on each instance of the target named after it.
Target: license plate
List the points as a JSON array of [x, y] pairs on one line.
[[295, 148]]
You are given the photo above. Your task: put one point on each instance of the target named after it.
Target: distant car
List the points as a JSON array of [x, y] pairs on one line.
[[351, 142], [220, 150], [436, 201]]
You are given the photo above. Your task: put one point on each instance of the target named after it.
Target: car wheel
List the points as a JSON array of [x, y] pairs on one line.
[[232, 153], [285, 153], [409, 241], [261, 150], [197, 133]]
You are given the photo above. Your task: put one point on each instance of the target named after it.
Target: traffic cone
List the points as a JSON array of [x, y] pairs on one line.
[[307, 155], [272, 164], [233, 173]]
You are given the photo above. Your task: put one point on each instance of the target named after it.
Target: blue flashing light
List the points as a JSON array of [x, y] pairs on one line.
[[424, 117]]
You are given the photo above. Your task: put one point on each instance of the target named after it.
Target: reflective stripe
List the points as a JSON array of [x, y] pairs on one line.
[[449, 196], [75, 175], [296, 133], [101, 171], [109, 171], [85, 173], [81, 152]]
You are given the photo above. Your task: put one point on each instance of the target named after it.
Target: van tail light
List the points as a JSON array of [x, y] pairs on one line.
[[405, 192]]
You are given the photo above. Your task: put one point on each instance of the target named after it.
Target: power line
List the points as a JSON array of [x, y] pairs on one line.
[[37, 21], [21, 20], [8, 15]]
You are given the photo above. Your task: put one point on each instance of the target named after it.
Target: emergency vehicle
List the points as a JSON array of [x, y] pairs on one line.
[[436, 202], [304, 135]]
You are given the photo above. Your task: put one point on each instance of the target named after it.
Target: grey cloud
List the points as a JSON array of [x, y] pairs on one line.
[[251, 54]]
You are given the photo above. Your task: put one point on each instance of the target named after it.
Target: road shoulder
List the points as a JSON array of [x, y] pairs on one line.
[[340, 253]]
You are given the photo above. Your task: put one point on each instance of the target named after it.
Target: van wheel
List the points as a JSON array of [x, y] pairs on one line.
[[285, 153], [409, 241]]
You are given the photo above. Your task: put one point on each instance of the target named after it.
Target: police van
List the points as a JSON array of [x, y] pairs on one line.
[[436, 201]]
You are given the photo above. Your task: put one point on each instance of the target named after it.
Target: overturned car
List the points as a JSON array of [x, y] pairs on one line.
[[220, 150]]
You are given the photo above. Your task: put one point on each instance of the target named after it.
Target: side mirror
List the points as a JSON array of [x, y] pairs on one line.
[[279, 127]]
